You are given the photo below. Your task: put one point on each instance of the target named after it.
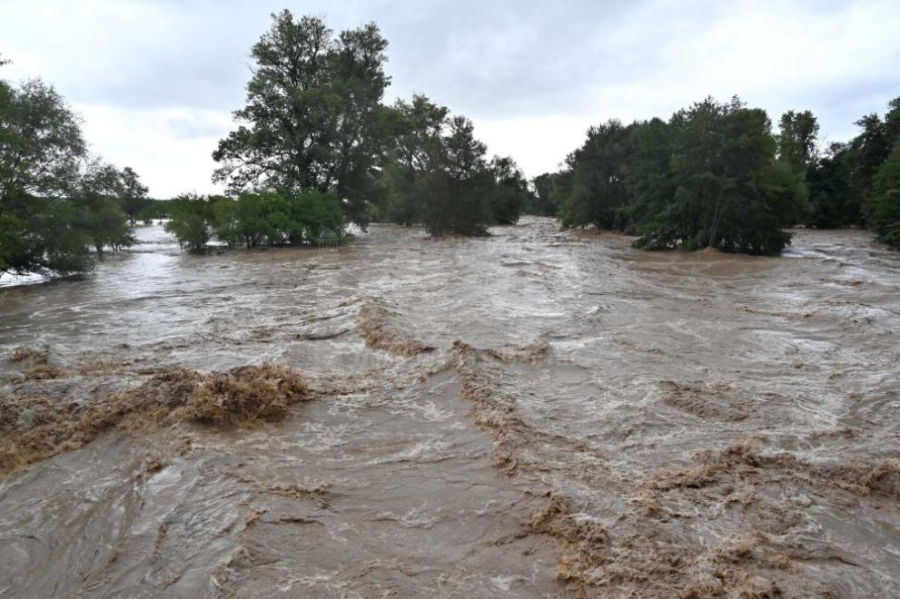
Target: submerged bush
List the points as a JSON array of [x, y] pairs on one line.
[[259, 218]]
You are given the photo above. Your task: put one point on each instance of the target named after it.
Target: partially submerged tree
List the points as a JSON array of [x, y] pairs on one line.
[[599, 195], [96, 197], [884, 203], [707, 178], [728, 191], [312, 114], [545, 200], [510, 193], [458, 183], [798, 139], [256, 218], [51, 216], [191, 221], [133, 196], [415, 137]]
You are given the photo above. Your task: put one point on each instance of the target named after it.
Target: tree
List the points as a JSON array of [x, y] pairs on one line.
[[866, 153], [799, 132], [599, 194], [415, 141], [98, 212], [191, 221], [134, 195], [841, 182], [510, 191], [543, 202], [457, 183], [312, 114], [722, 189], [832, 203], [41, 149], [40, 143], [883, 207]]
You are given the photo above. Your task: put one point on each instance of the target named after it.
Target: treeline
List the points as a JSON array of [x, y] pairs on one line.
[[60, 206], [716, 175], [315, 150]]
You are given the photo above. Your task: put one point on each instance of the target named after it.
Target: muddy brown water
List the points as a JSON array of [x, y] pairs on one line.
[[537, 414]]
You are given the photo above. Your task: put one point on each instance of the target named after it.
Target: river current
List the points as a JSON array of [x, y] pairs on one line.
[[534, 414]]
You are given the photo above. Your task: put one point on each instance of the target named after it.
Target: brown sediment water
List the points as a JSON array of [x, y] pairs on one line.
[[534, 414]]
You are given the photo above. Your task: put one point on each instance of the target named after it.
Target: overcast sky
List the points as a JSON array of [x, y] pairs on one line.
[[156, 80]]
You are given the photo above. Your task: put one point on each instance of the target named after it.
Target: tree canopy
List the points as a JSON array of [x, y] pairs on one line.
[[59, 206], [314, 121], [708, 177], [313, 114]]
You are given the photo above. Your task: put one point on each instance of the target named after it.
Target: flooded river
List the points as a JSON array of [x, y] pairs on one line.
[[536, 414]]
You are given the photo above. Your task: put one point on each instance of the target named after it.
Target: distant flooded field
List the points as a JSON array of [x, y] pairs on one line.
[[535, 414]]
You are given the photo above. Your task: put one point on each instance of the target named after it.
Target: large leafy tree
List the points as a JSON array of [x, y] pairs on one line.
[[458, 183], [313, 113], [133, 194], [510, 193], [884, 203], [832, 203], [415, 139], [797, 139], [724, 188], [58, 206], [435, 172], [599, 194], [41, 148]]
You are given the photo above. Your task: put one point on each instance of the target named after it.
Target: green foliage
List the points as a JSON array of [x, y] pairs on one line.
[[153, 209], [41, 145], [191, 221], [133, 195], [799, 132], [415, 143], [254, 219], [841, 181], [883, 206], [312, 116], [57, 207], [435, 172], [542, 201], [318, 216], [96, 198], [728, 191], [707, 178], [831, 201], [45, 242], [866, 152], [314, 122], [509, 194], [599, 195], [458, 184]]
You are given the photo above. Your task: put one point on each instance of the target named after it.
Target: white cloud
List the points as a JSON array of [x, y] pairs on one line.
[[171, 148]]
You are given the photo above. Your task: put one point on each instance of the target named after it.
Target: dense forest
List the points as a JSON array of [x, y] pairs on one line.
[[316, 148]]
